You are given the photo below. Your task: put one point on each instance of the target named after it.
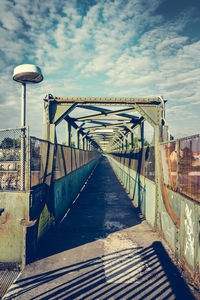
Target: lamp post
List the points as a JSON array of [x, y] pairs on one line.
[[24, 74]]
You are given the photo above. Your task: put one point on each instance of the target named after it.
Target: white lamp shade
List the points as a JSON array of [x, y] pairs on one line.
[[27, 74]]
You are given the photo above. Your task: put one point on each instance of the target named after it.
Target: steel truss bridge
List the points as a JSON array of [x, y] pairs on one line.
[[100, 246]]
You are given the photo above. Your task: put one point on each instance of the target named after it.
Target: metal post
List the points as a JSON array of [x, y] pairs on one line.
[[23, 124], [68, 133], [77, 141], [23, 105], [132, 140], [142, 135], [126, 144], [122, 147]]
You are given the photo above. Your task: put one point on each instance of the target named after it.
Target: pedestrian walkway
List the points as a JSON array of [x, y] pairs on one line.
[[103, 249]]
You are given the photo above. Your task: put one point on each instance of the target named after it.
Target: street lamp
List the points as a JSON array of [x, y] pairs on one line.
[[24, 74]]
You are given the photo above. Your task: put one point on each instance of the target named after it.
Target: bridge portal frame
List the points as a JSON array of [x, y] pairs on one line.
[[58, 109]]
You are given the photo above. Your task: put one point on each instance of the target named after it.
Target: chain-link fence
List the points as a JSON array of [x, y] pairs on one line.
[[141, 160], [51, 162], [39, 157], [181, 166], [12, 168]]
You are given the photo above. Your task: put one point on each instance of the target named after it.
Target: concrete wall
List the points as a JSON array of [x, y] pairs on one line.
[[67, 188], [13, 227], [184, 241]]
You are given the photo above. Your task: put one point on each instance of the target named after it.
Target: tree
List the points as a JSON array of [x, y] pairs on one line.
[[8, 143]]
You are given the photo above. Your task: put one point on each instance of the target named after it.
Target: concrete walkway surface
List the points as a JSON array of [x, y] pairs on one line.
[[102, 250]]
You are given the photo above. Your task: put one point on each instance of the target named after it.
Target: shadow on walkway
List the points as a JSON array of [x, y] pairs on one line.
[[103, 207], [134, 273], [105, 259]]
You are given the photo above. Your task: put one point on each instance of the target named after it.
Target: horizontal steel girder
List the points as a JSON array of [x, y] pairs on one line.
[[58, 109]]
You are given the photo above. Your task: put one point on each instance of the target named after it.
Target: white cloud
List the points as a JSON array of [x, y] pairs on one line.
[[118, 48]]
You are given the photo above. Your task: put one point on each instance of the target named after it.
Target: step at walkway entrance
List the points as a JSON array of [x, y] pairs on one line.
[[102, 250]]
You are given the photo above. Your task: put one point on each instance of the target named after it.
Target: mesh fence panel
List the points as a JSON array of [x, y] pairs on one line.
[[39, 159], [141, 161], [67, 157], [49, 160], [49, 168], [59, 165], [74, 158], [169, 153], [148, 166], [81, 157], [181, 166], [189, 167], [10, 159]]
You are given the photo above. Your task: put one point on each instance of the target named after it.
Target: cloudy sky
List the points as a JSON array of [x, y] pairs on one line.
[[130, 48]]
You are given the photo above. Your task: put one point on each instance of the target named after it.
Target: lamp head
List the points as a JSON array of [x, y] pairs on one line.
[[27, 73]]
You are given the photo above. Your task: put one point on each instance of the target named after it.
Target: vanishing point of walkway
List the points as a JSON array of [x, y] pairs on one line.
[[102, 250]]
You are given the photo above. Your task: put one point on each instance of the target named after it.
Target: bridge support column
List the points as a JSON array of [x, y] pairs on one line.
[[157, 135], [126, 144], [68, 134], [141, 135], [77, 141], [83, 143], [49, 132], [87, 144], [132, 140], [122, 146]]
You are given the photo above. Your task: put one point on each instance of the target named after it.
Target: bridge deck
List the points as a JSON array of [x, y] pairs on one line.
[[102, 250]]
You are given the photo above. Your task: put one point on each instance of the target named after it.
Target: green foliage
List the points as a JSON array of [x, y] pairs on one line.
[[146, 143], [8, 143], [73, 144]]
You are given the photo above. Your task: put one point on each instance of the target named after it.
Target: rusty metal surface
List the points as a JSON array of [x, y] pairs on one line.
[[170, 164], [12, 232], [181, 166], [106, 100]]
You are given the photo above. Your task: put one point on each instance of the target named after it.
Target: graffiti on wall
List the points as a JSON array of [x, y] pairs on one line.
[[189, 232]]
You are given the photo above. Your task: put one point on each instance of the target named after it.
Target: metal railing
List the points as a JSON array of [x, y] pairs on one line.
[[180, 161], [29, 161], [140, 160], [51, 162]]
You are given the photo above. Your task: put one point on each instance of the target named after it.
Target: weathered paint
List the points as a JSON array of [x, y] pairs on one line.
[[46, 221], [12, 229], [189, 233], [167, 227]]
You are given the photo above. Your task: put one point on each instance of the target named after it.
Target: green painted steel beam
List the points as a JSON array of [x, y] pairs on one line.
[[104, 100]]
